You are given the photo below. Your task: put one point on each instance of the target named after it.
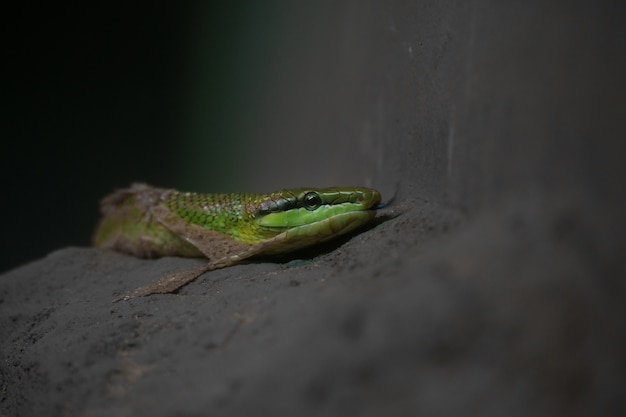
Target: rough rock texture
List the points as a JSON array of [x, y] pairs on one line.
[[497, 289]]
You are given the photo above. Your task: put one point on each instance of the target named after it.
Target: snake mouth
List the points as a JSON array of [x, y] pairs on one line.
[[369, 200], [380, 205]]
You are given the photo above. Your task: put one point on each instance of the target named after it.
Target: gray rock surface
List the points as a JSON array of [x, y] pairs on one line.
[[520, 312]]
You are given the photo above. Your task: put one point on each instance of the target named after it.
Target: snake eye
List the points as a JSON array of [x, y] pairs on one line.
[[312, 200]]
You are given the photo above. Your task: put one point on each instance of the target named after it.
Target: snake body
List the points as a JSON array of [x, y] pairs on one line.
[[147, 221]]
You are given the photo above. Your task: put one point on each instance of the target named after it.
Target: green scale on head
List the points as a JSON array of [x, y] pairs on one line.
[[230, 214]]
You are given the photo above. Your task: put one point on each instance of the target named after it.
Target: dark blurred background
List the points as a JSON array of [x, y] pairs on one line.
[[98, 95]]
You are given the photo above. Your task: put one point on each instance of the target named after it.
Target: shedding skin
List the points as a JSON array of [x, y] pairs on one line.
[[146, 221]]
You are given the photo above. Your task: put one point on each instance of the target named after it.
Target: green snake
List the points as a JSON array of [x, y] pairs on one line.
[[147, 221]]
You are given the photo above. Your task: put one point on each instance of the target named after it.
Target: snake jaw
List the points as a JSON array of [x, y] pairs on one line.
[[299, 237]]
